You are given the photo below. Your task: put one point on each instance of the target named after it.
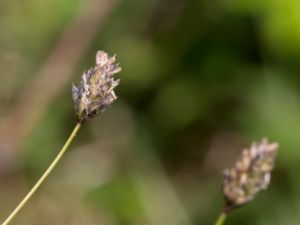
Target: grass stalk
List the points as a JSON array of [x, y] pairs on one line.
[[221, 219], [43, 177]]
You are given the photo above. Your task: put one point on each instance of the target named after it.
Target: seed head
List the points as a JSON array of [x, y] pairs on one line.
[[250, 174], [95, 93]]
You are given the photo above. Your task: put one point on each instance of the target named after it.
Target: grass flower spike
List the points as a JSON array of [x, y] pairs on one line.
[[96, 90], [94, 94], [250, 174]]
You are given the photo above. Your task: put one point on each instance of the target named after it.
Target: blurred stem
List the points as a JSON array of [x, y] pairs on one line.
[[221, 219], [44, 176]]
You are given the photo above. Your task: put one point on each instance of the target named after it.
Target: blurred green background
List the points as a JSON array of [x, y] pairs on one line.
[[201, 80]]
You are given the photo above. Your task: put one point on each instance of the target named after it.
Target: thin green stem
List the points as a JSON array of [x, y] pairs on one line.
[[221, 219], [44, 176]]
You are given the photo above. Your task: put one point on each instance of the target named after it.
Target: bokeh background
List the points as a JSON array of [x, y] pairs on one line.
[[201, 80]]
